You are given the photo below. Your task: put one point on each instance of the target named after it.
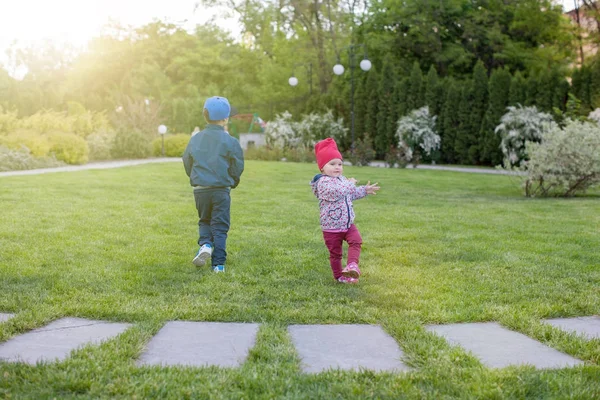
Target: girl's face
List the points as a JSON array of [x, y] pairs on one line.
[[333, 168]]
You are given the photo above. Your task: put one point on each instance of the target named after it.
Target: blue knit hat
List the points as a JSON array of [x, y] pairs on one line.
[[218, 108]]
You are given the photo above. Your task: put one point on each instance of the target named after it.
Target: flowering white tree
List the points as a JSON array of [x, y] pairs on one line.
[[314, 127], [567, 160], [518, 126], [284, 133], [595, 115], [281, 132], [416, 135]]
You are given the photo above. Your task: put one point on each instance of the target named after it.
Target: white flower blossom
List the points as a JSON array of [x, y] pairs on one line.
[[595, 115], [417, 130], [519, 126], [280, 132], [314, 127], [285, 133]]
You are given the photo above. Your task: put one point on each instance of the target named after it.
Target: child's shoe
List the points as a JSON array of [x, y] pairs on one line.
[[351, 271], [347, 279], [219, 268], [203, 254]]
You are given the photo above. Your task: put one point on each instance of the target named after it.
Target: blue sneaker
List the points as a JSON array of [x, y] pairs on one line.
[[219, 268], [203, 254]]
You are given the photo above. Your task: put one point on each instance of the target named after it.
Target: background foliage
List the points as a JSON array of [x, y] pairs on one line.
[[466, 60]]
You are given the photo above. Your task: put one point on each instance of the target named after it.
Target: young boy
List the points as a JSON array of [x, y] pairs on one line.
[[214, 161]]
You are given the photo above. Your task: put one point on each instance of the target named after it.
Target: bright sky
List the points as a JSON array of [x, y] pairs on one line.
[[76, 21]]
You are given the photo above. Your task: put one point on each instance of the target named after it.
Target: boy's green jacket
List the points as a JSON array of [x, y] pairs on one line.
[[213, 158]]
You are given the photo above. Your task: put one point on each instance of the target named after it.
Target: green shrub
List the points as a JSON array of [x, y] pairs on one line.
[[174, 145], [363, 152], [78, 120], [16, 160], [37, 145], [130, 145], [68, 147], [398, 156], [299, 154], [8, 121], [46, 121], [263, 153], [100, 144], [566, 162]]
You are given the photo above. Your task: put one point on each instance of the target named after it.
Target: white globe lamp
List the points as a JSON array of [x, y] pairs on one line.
[[365, 65], [338, 69], [162, 129], [293, 81]]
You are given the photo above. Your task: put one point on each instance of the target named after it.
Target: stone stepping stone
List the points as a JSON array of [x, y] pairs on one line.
[[347, 347], [200, 344], [55, 341], [586, 326], [498, 347], [5, 317]]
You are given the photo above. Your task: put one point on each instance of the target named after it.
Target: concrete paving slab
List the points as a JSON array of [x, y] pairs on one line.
[[200, 344], [348, 347], [586, 326], [56, 340], [498, 347], [5, 317]]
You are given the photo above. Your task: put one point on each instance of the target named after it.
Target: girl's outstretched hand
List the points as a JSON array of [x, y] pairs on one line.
[[371, 189], [353, 180]]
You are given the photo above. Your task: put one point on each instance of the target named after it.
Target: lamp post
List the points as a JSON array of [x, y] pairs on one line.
[[293, 81], [162, 129], [338, 69]]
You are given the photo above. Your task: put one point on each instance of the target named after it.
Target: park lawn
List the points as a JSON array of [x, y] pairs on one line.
[[439, 247]]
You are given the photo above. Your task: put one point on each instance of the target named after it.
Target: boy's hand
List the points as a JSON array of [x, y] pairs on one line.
[[371, 189], [354, 181]]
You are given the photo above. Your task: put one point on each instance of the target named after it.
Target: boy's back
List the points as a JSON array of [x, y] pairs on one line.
[[213, 158]]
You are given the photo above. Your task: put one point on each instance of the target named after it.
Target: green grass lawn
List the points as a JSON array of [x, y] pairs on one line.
[[439, 247]]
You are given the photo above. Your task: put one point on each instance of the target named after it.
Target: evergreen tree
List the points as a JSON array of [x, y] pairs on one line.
[[581, 88], [586, 92], [518, 90], [463, 139], [401, 94], [387, 80], [398, 97], [561, 94], [372, 103], [432, 91], [450, 122], [594, 84], [361, 100], [414, 98], [499, 88], [532, 89], [441, 101], [577, 83], [545, 91], [478, 108]]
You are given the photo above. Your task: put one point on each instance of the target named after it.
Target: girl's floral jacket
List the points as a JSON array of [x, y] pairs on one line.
[[335, 196]]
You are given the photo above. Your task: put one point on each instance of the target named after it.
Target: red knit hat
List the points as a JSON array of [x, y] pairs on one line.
[[326, 150]]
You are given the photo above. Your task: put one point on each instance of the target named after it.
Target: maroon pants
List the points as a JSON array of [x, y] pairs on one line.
[[334, 240]]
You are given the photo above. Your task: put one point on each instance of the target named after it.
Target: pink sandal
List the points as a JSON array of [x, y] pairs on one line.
[[347, 279], [351, 271]]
